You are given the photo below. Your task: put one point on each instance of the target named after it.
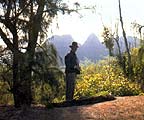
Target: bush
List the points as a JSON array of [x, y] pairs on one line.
[[5, 96], [105, 77]]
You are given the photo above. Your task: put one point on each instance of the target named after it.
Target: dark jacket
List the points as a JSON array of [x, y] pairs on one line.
[[70, 61]]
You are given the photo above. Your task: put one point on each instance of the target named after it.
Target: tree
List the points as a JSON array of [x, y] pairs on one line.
[[138, 29], [108, 40], [130, 71], [24, 23], [120, 56], [46, 71]]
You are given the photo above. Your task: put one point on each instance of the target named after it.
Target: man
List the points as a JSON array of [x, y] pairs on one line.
[[72, 68]]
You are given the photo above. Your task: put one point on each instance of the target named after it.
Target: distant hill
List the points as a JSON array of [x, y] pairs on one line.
[[132, 42], [92, 49], [61, 43]]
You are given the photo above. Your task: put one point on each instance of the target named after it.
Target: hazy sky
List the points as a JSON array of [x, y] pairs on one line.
[[106, 13]]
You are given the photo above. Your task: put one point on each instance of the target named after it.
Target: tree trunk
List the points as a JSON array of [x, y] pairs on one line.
[[25, 76], [15, 66], [130, 71], [122, 60], [22, 81], [16, 82], [110, 52]]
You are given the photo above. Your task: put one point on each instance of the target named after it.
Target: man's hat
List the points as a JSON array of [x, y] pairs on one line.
[[74, 44]]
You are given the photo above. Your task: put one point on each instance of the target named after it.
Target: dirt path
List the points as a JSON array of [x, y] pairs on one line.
[[123, 108]]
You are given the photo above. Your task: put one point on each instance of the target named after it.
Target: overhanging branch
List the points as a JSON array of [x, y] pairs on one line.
[[7, 41]]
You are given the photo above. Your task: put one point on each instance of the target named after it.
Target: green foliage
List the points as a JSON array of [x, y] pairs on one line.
[[138, 66], [105, 77], [47, 78], [44, 93], [101, 78], [137, 63], [5, 95], [48, 83], [108, 40]]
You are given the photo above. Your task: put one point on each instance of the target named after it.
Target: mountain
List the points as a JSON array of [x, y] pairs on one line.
[[132, 42], [61, 43], [92, 48]]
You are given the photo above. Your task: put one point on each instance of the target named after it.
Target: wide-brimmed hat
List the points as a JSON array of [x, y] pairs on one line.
[[74, 44]]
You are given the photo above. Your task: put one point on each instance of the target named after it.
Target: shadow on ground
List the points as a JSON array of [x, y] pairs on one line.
[[86, 101]]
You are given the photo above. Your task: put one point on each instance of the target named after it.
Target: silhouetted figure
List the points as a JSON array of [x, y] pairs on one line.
[[72, 69]]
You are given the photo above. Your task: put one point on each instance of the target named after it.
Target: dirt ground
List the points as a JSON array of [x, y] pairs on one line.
[[123, 108]]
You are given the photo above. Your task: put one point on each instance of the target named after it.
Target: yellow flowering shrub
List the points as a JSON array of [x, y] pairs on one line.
[[105, 77]]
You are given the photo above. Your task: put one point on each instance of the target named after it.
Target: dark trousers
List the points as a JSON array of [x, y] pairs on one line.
[[70, 85]]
